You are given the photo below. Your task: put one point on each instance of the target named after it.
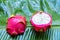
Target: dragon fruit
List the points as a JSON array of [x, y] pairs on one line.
[[16, 25], [41, 21]]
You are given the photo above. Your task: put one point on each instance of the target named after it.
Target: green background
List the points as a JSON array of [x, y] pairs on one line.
[[27, 8]]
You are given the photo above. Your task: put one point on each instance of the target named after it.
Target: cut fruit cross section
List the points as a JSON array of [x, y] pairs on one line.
[[41, 18]]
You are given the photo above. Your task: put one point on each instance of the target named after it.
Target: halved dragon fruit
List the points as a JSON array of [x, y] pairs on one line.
[[41, 21], [16, 25]]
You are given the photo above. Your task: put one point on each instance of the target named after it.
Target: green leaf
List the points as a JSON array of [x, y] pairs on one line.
[[27, 8], [30, 34]]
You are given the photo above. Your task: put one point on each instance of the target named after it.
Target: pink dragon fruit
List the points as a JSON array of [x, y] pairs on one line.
[[41, 21], [16, 25]]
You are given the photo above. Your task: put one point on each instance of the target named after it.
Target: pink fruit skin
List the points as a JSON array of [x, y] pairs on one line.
[[44, 27], [16, 25]]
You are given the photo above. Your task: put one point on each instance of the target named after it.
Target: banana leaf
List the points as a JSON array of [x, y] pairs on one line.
[[27, 8]]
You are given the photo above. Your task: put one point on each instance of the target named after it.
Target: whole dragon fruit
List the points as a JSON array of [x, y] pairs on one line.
[[41, 21], [16, 25]]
